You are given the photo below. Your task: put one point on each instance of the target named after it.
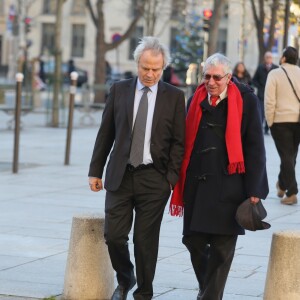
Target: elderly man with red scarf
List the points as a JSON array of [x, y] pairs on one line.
[[224, 164]]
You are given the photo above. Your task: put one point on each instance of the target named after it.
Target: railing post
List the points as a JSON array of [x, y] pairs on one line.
[[19, 80], [74, 76]]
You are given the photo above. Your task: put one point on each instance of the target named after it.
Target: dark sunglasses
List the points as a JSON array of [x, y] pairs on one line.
[[215, 77]]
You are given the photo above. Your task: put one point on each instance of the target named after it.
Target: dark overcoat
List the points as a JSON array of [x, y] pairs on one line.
[[211, 195], [260, 78]]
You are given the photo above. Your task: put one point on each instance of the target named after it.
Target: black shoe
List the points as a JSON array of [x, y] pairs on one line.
[[121, 292]]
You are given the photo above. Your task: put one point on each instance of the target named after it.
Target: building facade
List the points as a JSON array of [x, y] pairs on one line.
[[237, 32]]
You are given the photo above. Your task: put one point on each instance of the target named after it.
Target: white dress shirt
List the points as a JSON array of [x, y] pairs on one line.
[[222, 96]]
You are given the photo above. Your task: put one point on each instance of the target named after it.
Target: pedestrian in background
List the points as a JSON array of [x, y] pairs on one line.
[[241, 73], [282, 107], [144, 122], [192, 78], [170, 76], [224, 164], [71, 66], [259, 81]]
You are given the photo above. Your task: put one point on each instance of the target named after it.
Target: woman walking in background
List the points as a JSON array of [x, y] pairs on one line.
[[241, 73]]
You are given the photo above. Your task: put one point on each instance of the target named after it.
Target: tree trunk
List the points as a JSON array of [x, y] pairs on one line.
[[286, 23], [57, 70], [214, 26], [259, 23], [100, 70]]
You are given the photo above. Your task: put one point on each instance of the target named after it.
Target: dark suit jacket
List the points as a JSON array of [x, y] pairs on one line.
[[260, 78], [167, 135]]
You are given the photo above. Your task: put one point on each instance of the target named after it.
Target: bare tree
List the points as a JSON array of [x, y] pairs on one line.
[[259, 15], [57, 70], [286, 22], [163, 11], [150, 16], [97, 15], [213, 32]]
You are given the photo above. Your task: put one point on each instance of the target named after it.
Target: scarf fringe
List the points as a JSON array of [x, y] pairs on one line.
[[238, 167], [176, 210]]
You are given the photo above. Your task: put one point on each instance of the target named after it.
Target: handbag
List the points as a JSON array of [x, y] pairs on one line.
[[292, 87]]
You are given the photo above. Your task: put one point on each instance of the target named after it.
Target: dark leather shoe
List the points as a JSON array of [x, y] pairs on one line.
[[121, 292]]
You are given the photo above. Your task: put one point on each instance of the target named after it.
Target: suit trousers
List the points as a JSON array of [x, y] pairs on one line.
[[287, 138], [211, 257], [146, 192]]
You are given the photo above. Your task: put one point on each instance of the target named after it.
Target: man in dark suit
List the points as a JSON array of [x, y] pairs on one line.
[[224, 164], [148, 146], [259, 81]]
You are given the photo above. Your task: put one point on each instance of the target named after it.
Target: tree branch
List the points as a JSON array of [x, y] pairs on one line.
[[113, 45], [90, 9]]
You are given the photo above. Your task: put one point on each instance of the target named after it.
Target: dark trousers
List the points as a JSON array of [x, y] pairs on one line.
[[211, 257], [287, 138], [262, 112], [147, 192]]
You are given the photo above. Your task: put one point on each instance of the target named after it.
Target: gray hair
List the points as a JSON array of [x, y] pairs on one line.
[[218, 59], [152, 43]]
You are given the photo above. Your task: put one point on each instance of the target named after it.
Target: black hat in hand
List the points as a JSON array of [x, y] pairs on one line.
[[250, 216]]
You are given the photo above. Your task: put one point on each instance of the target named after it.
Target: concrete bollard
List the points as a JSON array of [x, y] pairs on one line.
[[89, 274], [283, 276]]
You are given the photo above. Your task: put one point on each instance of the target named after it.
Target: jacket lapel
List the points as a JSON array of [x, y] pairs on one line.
[[129, 95], [159, 105]]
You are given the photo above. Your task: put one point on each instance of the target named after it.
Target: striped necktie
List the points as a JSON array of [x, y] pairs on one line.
[[213, 100], [138, 137]]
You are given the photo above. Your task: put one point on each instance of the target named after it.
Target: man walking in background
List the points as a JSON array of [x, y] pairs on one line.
[[259, 81], [282, 107], [144, 121]]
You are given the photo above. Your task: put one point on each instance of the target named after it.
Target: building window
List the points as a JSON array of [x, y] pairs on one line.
[[1, 7], [136, 35], [48, 41], [225, 12], [0, 50], [78, 7], [178, 7], [49, 7], [78, 40]]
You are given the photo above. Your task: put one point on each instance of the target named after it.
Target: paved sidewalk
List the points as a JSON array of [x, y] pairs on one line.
[[38, 203]]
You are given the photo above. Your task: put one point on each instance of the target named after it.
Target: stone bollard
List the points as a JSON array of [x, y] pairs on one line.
[[283, 276], [89, 274]]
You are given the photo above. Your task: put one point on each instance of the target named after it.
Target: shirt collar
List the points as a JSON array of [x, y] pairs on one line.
[[222, 96], [140, 86]]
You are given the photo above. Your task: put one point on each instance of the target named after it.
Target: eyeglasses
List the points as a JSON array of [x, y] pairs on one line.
[[215, 77]]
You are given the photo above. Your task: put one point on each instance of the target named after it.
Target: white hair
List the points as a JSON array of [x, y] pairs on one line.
[[218, 59], [152, 43]]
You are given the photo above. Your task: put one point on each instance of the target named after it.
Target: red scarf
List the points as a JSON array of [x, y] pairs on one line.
[[232, 137]]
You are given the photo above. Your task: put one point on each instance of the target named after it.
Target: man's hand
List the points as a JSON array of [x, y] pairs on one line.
[[95, 184], [254, 200]]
